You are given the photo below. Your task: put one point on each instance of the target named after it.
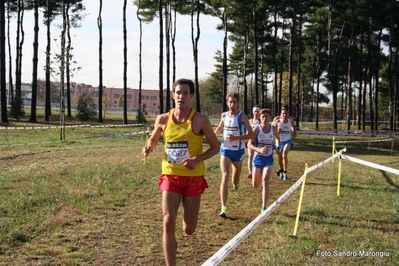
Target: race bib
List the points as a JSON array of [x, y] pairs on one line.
[[285, 135], [177, 152], [265, 142]]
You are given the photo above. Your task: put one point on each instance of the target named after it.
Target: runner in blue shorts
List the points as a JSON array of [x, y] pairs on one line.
[[262, 145], [236, 129], [287, 131]]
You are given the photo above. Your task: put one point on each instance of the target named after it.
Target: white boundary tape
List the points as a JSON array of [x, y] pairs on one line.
[[85, 138], [342, 134], [355, 141], [380, 167], [72, 126], [235, 241]]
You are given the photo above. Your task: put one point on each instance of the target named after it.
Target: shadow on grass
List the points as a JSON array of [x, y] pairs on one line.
[[343, 186], [353, 146], [389, 180], [322, 218], [230, 218]]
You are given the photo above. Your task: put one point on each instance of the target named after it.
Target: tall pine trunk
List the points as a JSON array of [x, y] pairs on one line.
[[47, 106], [100, 63], [161, 107], [198, 103], [3, 100], [167, 50], [124, 64], [256, 56], [140, 52], [67, 62], [35, 63]]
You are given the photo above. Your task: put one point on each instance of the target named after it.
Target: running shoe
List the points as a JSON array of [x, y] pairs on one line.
[[285, 176], [281, 175], [223, 212], [235, 187], [263, 209], [278, 172]]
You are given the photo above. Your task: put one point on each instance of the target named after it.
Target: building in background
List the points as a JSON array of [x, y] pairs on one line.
[[113, 97]]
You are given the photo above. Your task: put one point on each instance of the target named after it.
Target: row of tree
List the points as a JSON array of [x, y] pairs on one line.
[[59, 65], [348, 47]]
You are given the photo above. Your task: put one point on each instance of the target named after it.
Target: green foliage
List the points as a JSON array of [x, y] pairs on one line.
[[86, 108], [210, 101], [17, 107], [215, 84], [140, 118]]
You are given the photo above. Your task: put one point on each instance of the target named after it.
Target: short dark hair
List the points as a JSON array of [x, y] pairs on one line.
[[233, 95], [285, 107], [265, 111], [183, 81]]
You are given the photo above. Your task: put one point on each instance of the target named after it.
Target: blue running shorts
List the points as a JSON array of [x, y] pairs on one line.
[[234, 156]]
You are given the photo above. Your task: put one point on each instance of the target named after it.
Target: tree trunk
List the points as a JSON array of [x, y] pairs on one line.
[[100, 63], [174, 49], [62, 74], [369, 74], [245, 59], [280, 86], [256, 56], [10, 78], [290, 58], [67, 63], [161, 108], [390, 76], [3, 102], [329, 70], [35, 63], [378, 57], [18, 60], [225, 70], [198, 102], [274, 52], [140, 52], [47, 107], [167, 50], [318, 66], [124, 64], [349, 76], [299, 97], [359, 104]]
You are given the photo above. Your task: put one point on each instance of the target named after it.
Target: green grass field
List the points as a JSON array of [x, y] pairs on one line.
[[92, 200]]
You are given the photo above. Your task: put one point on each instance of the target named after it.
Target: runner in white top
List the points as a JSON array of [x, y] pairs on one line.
[[253, 122], [287, 131], [263, 161], [236, 129]]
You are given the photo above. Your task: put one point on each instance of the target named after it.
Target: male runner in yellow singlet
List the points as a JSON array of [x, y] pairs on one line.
[[183, 170]]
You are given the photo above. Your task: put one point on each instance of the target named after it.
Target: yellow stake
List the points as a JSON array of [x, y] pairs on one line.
[[300, 200], [339, 171]]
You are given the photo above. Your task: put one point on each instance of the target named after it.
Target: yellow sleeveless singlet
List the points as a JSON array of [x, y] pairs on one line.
[[181, 143]]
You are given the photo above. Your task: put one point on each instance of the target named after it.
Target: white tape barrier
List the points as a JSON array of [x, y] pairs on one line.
[[356, 141], [77, 139], [235, 241], [377, 166], [73, 126], [341, 134]]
